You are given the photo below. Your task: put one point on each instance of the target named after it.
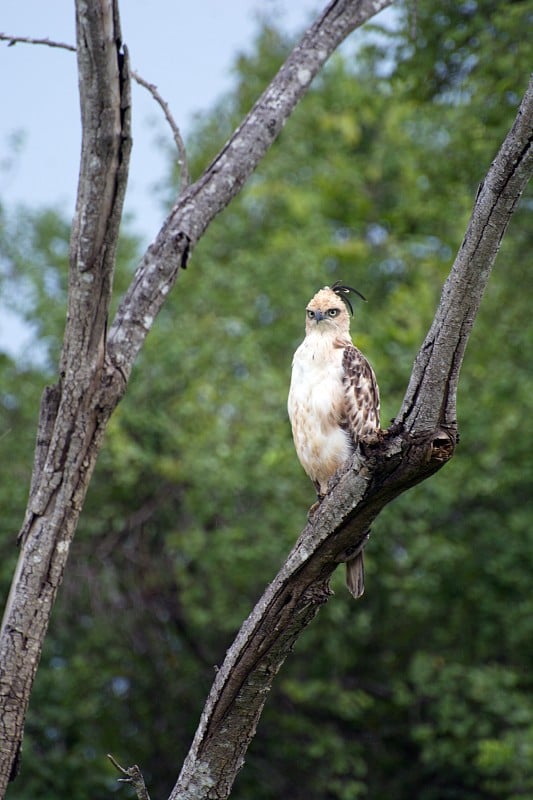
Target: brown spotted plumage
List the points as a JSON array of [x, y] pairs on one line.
[[333, 399]]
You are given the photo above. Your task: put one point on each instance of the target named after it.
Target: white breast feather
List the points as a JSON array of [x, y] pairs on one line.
[[316, 406]]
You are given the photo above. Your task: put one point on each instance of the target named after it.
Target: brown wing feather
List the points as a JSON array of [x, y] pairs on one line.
[[361, 394]]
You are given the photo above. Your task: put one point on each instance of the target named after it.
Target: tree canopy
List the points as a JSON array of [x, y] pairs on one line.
[[424, 689]]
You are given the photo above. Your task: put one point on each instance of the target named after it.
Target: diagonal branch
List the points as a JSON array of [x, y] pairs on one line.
[[430, 399], [94, 368], [223, 179], [381, 471]]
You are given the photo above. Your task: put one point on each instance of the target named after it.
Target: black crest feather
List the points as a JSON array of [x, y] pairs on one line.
[[342, 291]]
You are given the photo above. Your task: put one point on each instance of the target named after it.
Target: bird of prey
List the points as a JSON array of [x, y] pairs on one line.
[[333, 398]]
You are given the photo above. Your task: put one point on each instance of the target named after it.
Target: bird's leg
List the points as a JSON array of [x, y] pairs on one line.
[[338, 474], [319, 498]]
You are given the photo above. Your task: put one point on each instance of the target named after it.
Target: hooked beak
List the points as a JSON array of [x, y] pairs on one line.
[[318, 316]]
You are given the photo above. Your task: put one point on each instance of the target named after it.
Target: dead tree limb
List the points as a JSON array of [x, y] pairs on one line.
[[420, 441], [71, 421], [133, 776], [94, 366], [431, 397], [226, 175]]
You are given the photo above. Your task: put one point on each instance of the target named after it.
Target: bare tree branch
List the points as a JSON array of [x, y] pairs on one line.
[[150, 87], [430, 399], [185, 177], [382, 470], [94, 371], [223, 179], [72, 416], [13, 40], [134, 777]]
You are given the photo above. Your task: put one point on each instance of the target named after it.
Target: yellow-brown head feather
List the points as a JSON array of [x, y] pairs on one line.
[[327, 313]]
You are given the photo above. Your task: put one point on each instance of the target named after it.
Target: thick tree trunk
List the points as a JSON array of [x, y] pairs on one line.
[[95, 367], [72, 418]]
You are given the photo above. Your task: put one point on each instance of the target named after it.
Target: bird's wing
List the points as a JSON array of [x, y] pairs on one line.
[[361, 394]]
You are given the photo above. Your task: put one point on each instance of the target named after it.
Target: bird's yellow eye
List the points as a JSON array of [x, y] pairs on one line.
[[332, 312], [310, 314]]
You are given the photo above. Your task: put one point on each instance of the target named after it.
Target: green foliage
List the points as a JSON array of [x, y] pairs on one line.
[[20, 390], [423, 688]]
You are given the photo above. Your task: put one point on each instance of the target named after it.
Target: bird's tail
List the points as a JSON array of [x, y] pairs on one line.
[[355, 575]]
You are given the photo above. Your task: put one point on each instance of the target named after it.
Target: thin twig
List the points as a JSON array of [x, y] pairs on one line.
[[133, 776], [13, 40], [182, 155], [150, 87]]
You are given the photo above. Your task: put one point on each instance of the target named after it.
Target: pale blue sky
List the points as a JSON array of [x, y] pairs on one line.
[[185, 48]]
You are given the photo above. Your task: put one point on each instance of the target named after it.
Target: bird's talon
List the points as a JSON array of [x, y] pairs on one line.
[[314, 508]]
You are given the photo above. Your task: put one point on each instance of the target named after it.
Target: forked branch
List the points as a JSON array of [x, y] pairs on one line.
[[95, 368], [95, 371], [413, 449], [133, 776]]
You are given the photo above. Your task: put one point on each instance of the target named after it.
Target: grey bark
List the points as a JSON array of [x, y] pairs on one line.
[[95, 365], [431, 396], [94, 371], [224, 177], [418, 443], [72, 417]]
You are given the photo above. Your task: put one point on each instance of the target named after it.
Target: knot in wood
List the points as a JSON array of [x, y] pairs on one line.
[[442, 446], [315, 595]]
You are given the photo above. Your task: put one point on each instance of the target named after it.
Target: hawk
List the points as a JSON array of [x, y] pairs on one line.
[[333, 398]]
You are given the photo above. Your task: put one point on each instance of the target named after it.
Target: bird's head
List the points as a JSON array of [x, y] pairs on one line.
[[328, 309]]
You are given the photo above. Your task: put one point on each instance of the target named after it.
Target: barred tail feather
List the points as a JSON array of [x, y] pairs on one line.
[[355, 576]]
